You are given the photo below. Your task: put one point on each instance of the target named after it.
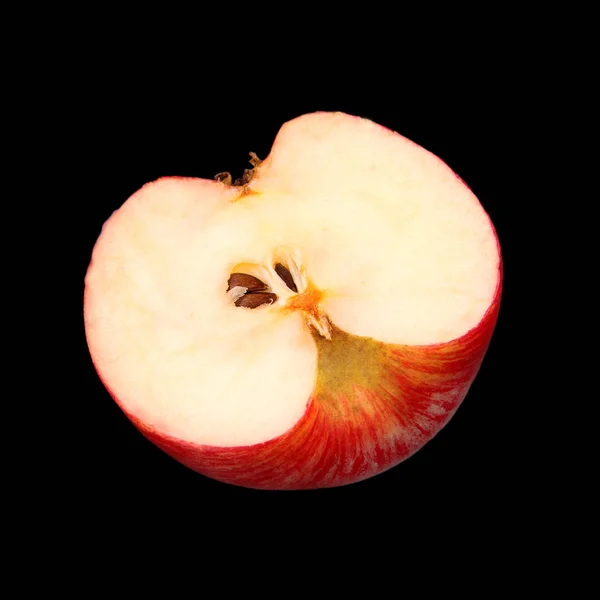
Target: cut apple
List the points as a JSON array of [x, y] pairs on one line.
[[311, 326]]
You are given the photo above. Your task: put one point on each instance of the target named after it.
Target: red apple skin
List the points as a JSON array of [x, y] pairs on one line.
[[346, 438]]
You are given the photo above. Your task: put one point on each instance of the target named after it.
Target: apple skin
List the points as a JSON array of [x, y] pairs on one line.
[[351, 435]]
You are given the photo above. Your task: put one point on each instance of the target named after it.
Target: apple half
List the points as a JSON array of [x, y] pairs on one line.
[[311, 325]]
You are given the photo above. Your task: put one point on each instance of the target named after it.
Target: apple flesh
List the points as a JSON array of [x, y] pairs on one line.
[[310, 327]]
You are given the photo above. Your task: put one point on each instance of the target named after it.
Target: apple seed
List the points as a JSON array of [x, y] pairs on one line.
[[256, 299], [286, 277], [253, 284]]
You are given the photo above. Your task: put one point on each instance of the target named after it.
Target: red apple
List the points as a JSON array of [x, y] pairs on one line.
[[310, 326]]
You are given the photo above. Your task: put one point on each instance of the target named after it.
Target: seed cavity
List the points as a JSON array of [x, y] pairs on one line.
[[286, 277]]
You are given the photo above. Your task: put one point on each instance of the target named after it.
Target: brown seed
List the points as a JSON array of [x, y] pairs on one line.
[[248, 281], [256, 299], [286, 276]]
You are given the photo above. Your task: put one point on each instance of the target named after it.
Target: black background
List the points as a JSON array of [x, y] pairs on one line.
[[470, 470]]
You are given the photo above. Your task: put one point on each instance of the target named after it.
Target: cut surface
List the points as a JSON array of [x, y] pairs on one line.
[[399, 248]]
